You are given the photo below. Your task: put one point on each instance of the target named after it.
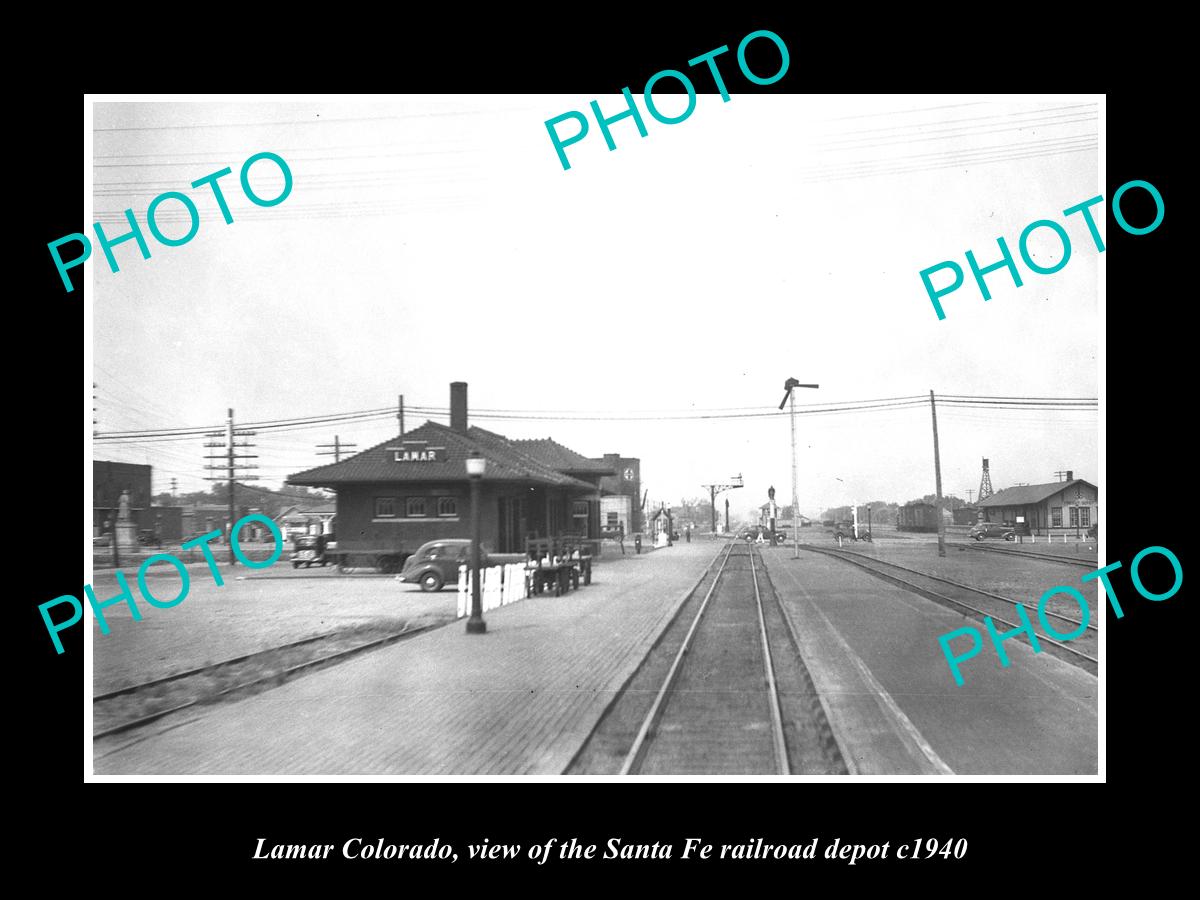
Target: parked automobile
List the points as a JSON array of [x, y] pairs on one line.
[[993, 529], [845, 530], [1094, 532], [147, 538], [435, 564], [310, 550]]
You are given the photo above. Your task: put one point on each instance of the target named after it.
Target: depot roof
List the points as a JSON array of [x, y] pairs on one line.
[[553, 454], [436, 452], [1027, 494]]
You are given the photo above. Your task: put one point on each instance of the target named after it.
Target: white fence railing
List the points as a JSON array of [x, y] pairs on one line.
[[501, 585]]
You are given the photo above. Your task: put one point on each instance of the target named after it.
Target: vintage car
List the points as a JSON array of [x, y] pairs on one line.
[[993, 529], [435, 564], [310, 550], [845, 530]]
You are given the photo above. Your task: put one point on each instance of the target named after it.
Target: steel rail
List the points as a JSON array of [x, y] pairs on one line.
[[966, 587], [1046, 557], [275, 676], [634, 757], [781, 756], [920, 590]]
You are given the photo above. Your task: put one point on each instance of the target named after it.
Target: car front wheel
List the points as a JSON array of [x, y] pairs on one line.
[[1010, 537], [979, 537], [431, 581]]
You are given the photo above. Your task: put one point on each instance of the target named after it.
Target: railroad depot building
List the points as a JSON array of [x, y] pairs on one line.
[[395, 496], [1041, 508]]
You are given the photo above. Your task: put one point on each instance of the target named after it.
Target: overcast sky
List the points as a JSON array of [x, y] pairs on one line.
[[437, 239]]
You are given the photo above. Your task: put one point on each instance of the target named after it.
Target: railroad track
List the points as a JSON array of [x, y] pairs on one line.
[[1047, 557], [880, 569], [273, 677], [729, 702]]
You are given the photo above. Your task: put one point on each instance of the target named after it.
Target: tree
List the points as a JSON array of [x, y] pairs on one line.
[[271, 503]]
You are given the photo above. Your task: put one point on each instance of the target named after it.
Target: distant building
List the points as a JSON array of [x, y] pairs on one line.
[[1044, 507], [312, 519], [622, 503], [201, 518], [109, 480]]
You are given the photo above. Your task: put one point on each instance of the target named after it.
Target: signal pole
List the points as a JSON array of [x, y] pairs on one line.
[[400, 413], [231, 467], [937, 472], [713, 490], [788, 386]]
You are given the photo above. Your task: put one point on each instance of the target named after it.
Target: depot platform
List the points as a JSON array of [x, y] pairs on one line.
[[872, 650], [518, 700]]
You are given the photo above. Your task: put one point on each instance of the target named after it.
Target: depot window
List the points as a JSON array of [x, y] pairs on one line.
[[447, 506], [414, 508], [385, 507], [1056, 517]]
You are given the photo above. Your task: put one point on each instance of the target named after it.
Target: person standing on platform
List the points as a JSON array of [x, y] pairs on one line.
[[621, 537]]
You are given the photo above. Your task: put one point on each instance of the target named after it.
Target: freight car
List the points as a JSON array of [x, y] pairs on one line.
[[917, 517]]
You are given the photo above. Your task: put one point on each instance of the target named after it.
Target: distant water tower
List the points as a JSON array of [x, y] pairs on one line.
[[985, 482]]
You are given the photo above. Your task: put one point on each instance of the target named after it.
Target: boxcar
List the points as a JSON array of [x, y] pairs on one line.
[[917, 517]]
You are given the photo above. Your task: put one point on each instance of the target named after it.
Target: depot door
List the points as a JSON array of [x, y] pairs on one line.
[[511, 518]]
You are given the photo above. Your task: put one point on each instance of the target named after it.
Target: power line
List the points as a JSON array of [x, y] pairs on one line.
[[380, 414], [232, 467], [833, 175]]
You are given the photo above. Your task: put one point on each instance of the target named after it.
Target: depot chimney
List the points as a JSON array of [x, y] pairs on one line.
[[458, 406], [1070, 475]]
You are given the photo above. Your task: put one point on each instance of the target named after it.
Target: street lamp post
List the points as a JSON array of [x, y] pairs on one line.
[[476, 465], [789, 396]]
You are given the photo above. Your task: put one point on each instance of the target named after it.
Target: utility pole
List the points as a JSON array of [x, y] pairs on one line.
[[970, 497], [336, 451], [400, 413], [791, 396], [230, 467], [937, 471]]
